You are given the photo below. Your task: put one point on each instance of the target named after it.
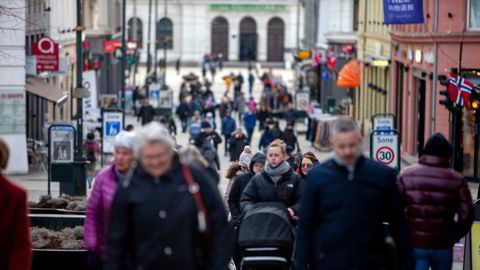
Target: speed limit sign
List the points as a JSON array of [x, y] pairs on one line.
[[385, 148]]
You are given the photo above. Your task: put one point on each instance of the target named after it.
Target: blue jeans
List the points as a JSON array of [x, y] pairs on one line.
[[437, 259]]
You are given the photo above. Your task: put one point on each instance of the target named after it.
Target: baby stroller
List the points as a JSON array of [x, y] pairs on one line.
[[265, 238]]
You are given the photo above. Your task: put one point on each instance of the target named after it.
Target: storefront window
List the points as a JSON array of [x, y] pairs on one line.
[[469, 128], [474, 21]]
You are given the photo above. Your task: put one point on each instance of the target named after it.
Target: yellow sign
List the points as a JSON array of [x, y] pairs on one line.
[[475, 233], [380, 63], [303, 54]]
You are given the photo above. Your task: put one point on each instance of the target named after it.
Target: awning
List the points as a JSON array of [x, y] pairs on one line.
[[45, 90], [349, 76]]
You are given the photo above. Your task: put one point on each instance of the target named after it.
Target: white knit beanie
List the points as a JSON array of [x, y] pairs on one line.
[[246, 157]]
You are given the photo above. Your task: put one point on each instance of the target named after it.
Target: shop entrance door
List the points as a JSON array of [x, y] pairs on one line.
[[420, 84]]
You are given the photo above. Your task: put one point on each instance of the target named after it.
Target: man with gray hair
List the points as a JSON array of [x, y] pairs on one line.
[[344, 207]]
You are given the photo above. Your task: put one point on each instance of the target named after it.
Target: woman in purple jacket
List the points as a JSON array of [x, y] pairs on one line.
[[100, 200]]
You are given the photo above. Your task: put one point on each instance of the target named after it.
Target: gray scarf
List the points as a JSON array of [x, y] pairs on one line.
[[277, 172], [120, 176]]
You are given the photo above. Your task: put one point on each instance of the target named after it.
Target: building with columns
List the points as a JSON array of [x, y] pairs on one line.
[[239, 30]]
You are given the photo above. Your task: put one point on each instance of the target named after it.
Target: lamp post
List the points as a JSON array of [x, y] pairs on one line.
[[124, 56]]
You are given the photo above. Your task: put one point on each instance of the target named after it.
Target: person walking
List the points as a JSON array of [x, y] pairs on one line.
[[195, 126], [167, 213], [101, 197], [234, 169], [237, 144], [251, 80], [240, 105], [91, 150], [146, 113], [276, 183], [438, 205], [289, 136], [228, 127], [346, 201], [257, 163], [267, 138], [244, 163], [250, 121], [16, 242], [177, 66], [308, 162], [183, 112]]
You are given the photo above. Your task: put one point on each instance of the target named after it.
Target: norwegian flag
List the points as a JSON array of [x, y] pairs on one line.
[[459, 90]]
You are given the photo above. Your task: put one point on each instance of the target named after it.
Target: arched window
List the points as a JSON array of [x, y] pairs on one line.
[[165, 34], [220, 37], [276, 40], [248, 39], [135, 35]]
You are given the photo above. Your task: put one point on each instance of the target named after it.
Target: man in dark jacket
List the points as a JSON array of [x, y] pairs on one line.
[[249, 121], [433, 226], [345, 203], [256, 166], [146, 113], [228, 127], [237, 144], [289, 136], [184, 112]]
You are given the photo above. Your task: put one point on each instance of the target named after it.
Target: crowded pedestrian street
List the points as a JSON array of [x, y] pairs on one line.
[[239, 135]]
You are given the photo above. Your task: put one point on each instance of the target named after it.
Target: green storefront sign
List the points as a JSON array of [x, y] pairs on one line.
[[248, 7]]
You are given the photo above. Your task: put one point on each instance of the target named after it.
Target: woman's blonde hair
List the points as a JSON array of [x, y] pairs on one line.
[[4, 154], [280, 144]]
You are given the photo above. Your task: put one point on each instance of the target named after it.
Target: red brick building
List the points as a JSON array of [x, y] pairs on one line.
[[421, 52]]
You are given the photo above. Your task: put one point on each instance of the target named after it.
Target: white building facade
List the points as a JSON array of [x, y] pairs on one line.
[[12, 83], [337, 22], [238, 30]]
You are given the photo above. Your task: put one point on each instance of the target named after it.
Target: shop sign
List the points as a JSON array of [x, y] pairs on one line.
[[12, 111], [248, 8], [418, 56], [403, 11], [429, 58], [47, 53], [410, 55]]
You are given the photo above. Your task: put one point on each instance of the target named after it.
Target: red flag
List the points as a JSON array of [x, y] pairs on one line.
[[459, 90], [332, 61]]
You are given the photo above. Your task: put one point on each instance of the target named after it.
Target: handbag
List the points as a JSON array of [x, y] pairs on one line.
[[203, 253]]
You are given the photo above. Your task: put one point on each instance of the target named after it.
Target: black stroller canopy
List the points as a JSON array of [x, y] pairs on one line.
[[267, 224]]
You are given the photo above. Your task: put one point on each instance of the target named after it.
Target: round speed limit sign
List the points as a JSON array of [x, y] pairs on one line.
[[385, 155]]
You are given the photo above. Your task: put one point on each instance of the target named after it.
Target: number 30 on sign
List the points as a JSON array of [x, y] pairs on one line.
[[385, 148]]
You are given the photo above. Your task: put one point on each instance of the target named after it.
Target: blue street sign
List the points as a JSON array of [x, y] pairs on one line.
[[403, 11]]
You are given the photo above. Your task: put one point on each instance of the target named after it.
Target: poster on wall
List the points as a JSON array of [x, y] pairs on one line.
[[403, 12], [12, 111], [62, 143], [165, 99], [112, 123]]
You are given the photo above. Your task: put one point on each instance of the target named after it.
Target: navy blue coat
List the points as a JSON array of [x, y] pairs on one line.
[[342, 215], [229, 125]]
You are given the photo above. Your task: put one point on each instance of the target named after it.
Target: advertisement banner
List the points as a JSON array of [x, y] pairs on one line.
[[112, 124], [90, 104], [47, 53], [61, 144], [403, 12]]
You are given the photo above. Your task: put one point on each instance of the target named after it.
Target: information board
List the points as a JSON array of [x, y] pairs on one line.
[[112, 123], [302, 101], [383, 122], [61, 143], [385, 148]]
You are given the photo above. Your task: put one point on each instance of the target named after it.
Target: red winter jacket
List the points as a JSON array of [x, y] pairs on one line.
[[433, 194], [15, 241]]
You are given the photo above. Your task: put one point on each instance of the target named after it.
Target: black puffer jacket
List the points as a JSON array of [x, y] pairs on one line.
[[261, 188], [156, 218], [239, 184]]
